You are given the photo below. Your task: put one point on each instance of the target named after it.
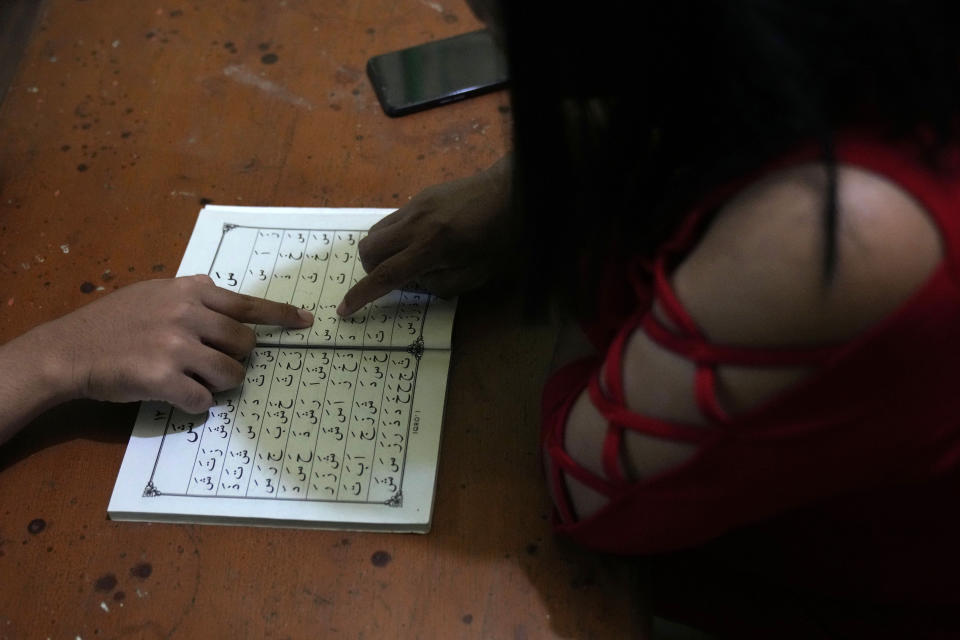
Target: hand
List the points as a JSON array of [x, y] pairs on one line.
[[450, 238], [177, 340]]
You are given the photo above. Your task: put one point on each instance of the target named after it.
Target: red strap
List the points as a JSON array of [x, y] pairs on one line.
[[561, 463], [619, 415], [613, 365], [563, 460], [640, 277], [669, 301], [701, 352], [614, 436], [705, 391], [688, 342], [685, 339]]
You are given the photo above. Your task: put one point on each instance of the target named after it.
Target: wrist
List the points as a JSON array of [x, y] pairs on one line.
[[45, 363], [38, 377]]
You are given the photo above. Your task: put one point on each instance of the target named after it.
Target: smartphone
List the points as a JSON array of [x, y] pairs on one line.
[[437, 72]]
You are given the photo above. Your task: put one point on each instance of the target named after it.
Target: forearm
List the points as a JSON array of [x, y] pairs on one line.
[[35, 377]]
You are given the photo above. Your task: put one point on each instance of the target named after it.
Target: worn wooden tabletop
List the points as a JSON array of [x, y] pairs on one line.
[[121, 119]]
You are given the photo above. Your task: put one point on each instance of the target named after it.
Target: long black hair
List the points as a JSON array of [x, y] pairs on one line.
[[625, 114]]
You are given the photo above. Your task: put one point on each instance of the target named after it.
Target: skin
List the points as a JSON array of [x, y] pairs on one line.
[[755, 279], [449, 238], [178, 341]]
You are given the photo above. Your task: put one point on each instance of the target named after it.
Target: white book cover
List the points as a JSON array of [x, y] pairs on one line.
[[334, 426]]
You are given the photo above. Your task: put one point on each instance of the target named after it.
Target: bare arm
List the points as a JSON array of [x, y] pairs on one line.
[[177, 340], [32, 380], [756, 279]]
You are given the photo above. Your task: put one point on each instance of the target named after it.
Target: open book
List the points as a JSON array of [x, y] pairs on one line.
[[334, 426]]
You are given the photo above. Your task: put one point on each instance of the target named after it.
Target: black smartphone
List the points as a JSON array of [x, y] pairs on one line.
[[437, 72]]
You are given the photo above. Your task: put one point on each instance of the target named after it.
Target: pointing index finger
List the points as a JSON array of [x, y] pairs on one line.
[[252, 310], [390, 274]]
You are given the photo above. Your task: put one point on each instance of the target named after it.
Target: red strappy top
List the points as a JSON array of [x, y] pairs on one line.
[[848, 483]]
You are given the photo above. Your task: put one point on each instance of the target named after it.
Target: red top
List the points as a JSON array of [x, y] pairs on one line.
[[848, 484]]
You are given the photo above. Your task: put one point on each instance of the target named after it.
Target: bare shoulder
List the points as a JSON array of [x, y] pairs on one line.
[[757, 276]]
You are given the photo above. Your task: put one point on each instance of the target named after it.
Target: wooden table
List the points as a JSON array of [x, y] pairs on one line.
[[122, 119]]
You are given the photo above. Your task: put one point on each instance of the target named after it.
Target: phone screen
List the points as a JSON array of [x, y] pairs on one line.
[[438, 72]]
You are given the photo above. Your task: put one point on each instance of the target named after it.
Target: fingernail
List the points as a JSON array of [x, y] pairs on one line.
[[342, 309], [305, 315]]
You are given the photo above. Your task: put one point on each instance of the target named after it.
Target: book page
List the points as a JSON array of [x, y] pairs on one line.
[[308, 258], [321, 433]]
